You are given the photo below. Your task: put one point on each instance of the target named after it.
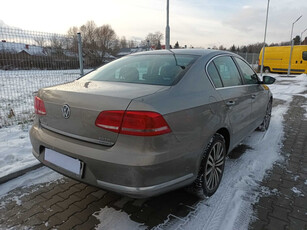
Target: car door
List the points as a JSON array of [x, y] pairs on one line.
[[236, 98], [254, 90]]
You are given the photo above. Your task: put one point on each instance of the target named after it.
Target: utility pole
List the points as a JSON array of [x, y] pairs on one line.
[[167, 30], [302, 36], [80, 53], [263, 49], [292, 43]]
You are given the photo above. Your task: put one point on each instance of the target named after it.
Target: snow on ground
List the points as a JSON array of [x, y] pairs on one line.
[[285, 87], [15, 149], [297, 192], [19, 86], [16, 94], [115, 220], [305, 107], [229, 208], [35, 177]]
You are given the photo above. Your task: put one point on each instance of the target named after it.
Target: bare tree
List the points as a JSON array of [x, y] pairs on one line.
[[123, 42], [57, 44], [88, 34], [40, 41], [96, 41], [154, 38], [105, 37], [73, 39], [131, 44]]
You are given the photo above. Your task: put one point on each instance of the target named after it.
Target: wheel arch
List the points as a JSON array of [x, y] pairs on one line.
[[225, 133]]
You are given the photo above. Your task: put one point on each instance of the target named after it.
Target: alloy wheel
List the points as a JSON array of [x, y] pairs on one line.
[[214, 166]]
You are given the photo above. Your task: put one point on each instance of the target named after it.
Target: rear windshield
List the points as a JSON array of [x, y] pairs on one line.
[[144, 69]]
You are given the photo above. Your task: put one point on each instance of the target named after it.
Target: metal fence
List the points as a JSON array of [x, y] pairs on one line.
[[29, 61], [251, 58], [32, 60]]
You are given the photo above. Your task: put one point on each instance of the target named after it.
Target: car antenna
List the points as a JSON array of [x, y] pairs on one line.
[[182, 67]]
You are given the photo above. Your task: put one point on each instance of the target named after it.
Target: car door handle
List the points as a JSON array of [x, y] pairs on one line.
[[230, 103], [253, 96]]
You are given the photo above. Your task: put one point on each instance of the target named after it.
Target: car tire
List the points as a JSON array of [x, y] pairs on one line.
[[211, 167], [267, 118]]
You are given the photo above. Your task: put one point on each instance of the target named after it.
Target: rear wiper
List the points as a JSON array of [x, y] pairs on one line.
[[182, 67]]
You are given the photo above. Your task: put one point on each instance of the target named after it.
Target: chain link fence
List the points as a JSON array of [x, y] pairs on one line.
[[32, 60], [29, 61], [251, 58]]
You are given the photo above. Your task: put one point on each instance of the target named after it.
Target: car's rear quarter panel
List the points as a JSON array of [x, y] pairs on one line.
[[194, 111]]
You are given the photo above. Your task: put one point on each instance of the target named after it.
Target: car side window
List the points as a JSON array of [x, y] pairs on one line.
[[214, 75], [228, 71], [249, 76], [304, 55]]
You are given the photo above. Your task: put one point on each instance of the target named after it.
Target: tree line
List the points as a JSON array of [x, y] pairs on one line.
[[99, 42], [104, 39], [256, 47]]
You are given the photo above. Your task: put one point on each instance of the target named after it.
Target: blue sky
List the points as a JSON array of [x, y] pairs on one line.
[[200, 23]]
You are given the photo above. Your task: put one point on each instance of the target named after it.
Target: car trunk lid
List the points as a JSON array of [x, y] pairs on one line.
[[72, 108]]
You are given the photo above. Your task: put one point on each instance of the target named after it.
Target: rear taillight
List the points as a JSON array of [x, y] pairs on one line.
[[39, 106], [138, 123], [110, 120], [143, 123]]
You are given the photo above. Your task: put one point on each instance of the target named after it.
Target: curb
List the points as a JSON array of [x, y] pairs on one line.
[[19, 173]]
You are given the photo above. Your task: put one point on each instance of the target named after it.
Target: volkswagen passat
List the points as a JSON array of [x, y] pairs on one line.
[[151, 122]]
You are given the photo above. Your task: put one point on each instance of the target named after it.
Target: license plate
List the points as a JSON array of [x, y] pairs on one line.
[[68, 163]]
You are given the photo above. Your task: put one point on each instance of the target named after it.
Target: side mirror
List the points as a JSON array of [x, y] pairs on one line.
[[268, 80]]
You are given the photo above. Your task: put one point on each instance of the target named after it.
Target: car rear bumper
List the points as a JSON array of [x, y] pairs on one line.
[[135, 174]]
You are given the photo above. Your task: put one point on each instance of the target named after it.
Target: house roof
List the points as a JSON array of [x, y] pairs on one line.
[[126, 51], [33, 50], [13, 47]]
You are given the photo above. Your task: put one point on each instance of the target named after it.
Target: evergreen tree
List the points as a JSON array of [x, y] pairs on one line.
[[297, 40], [233, 48], [176, 45], [158, 46]]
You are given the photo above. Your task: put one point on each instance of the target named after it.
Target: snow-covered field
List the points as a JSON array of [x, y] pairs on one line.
[[16, 106], [15, 149], [18, 87], [229, 208]]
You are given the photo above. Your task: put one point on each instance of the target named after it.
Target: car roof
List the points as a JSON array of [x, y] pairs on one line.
[[199, 52]]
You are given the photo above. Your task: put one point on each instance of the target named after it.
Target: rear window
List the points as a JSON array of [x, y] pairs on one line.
[[144, 69]]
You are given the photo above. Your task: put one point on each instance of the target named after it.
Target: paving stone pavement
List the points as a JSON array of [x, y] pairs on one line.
[[285, 206], [68, 204]]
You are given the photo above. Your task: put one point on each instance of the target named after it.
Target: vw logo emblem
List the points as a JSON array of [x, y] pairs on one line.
[[66, 111]]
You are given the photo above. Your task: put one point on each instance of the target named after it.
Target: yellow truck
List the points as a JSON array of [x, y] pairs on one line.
[[276, 59]]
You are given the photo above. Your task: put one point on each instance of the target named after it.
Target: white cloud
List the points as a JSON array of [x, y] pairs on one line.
[[198, 23]]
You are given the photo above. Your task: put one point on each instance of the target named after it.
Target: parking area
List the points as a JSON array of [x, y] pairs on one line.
[[68, 204], [286, 208]]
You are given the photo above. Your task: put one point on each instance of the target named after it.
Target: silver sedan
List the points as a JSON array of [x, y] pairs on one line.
[[151, 122]]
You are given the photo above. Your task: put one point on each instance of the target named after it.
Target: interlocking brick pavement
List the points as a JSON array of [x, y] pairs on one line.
[[68, 204], [287, 208]]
